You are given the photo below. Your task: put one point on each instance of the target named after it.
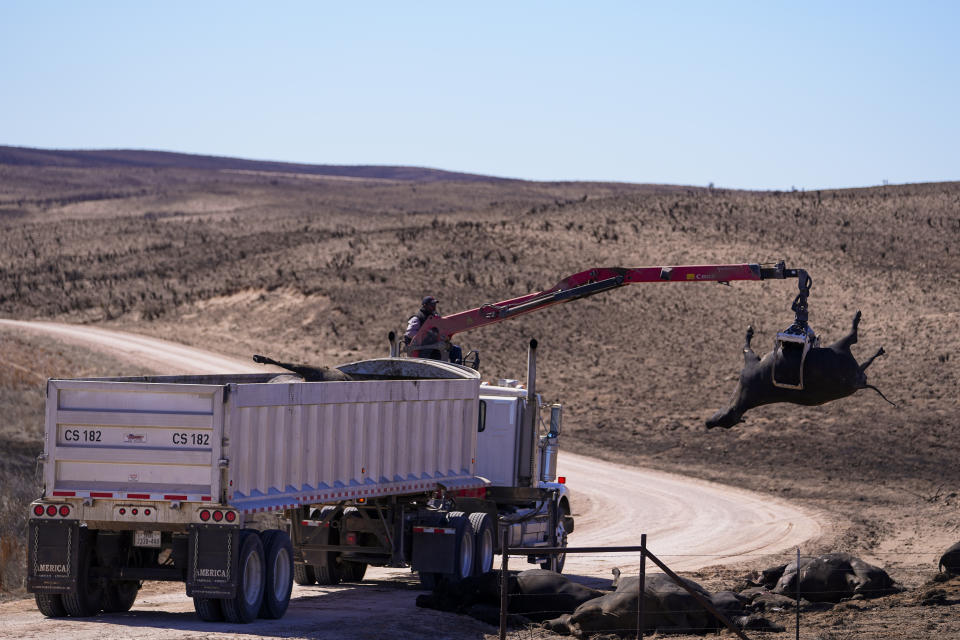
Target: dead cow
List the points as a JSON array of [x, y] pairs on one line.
[[833, 577], [950, 561], [668, 608], [829, 373], [536, 594]]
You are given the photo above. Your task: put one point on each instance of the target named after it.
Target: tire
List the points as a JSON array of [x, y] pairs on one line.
[[485, 542], [463, 548], [278, 557], [245, 605], [303, 574], [328, 571], [86, 600], [562, 515], [352, 571], [119, 595], [208, 609], [50, 604]]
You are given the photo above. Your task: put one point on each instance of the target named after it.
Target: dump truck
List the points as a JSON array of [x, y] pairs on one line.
[[241, 485]]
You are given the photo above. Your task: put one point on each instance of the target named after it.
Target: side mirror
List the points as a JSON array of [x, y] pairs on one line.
[[482, 417], [556, 417]]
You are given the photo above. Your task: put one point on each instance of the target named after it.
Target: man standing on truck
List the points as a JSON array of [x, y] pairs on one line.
[[428, 309]]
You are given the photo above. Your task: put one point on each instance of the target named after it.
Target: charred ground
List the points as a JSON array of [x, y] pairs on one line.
[[319, 268]]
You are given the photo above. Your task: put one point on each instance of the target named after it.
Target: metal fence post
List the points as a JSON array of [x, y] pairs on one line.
[[641, 584], [503, 587], [798, 593]]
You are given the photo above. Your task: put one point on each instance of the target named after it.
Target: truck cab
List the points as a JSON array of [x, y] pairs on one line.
[[518, 456]]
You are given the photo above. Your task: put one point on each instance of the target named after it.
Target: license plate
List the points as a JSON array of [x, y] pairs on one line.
[[146, 538]]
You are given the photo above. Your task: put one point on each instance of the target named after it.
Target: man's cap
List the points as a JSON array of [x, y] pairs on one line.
[[429, 300]]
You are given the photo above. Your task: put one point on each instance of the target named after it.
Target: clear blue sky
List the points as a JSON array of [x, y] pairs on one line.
[[743, 94]]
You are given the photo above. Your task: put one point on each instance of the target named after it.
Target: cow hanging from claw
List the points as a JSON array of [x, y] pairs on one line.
[[807, 375]]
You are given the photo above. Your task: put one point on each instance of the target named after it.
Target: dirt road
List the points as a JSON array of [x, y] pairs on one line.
[[163, 356], [689, 523]]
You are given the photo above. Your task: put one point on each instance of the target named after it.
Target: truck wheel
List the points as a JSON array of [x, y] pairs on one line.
[[85, 600], [484, 542], [50, 604], [463, 549], [328, 571], [278, 557], [303, 574], [208, 609], [556, 563], [352, 571], [245, 606], [119, 595]]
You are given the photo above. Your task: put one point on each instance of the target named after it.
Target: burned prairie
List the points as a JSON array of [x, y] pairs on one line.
[[318, 269]]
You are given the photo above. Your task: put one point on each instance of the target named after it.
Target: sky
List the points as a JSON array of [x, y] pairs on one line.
[[754, 95]]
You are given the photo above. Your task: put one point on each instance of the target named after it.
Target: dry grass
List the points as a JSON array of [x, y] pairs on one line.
[[319, 270]]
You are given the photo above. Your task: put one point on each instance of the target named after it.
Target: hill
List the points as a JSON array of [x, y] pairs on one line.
[[128, 158], [312, 267]]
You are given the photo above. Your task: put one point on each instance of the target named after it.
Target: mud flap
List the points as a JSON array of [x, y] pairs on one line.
[[213, 555], [53, 553], [434, 549]]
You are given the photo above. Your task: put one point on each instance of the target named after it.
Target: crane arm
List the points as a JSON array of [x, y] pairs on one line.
[[591, 282]]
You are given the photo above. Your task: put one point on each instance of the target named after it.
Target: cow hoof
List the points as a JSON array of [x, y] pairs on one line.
[[560, 626], [723, 420]]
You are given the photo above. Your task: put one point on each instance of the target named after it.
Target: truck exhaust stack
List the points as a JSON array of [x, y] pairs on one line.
[[527, 472]]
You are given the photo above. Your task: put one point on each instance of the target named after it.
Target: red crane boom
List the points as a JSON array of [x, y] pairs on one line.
[[588, 283]]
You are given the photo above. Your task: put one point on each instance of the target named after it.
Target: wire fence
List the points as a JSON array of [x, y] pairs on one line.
[[743, 602]]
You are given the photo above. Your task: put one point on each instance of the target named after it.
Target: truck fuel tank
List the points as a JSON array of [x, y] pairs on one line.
[[550, 446]]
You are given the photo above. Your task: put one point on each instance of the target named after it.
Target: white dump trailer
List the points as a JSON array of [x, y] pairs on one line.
[[239, 485]]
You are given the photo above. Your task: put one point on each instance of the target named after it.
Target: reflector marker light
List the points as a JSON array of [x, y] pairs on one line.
[[562, 479], [443, 530], [338, 494], [123, 511], [158, 497]]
